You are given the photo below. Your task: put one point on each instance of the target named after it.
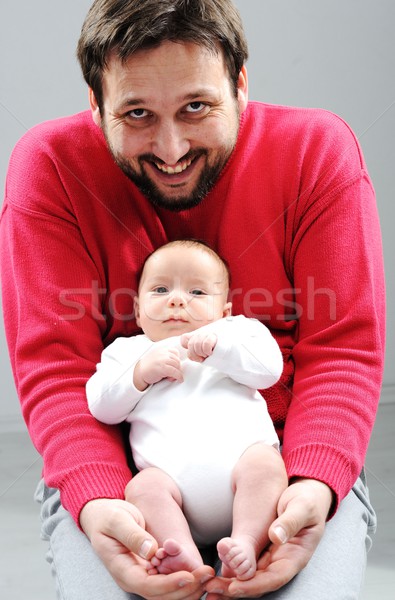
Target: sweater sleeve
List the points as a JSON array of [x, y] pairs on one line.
[[110, 391], [246, 351], [43, 255], [335, 261]]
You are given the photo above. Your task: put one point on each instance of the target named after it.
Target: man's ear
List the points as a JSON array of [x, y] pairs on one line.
[[136, 310], [94, 108], [227, 309], [242, 89]]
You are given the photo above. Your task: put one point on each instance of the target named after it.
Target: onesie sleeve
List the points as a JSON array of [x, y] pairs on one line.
[[246, 351], [110, 391]]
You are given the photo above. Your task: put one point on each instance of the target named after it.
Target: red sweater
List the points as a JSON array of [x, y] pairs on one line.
[[293, 213]]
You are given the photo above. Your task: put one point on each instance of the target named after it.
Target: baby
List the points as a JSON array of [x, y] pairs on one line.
[[210, 470]]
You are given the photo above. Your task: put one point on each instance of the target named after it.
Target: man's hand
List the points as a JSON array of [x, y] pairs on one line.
[[116, 531], [303, 509], [160, 363], [200, 344]]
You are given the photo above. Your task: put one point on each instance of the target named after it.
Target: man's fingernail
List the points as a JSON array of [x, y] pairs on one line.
[[145, 548], [280, 533], [206, 578]]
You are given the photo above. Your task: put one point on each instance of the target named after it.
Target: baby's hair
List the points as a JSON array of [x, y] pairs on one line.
[[190, 243]]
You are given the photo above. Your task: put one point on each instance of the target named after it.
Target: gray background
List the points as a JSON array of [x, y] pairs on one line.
[[335, 54]]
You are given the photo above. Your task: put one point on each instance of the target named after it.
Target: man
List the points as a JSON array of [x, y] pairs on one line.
[[171, 148]]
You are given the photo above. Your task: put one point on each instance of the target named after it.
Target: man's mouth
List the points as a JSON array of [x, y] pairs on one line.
[[174, 170]]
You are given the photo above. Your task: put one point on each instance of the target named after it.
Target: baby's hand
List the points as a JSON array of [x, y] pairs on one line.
[[160, 363], [200, 344]]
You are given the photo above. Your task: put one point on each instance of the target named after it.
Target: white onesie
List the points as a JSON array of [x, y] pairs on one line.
[[195, 430]]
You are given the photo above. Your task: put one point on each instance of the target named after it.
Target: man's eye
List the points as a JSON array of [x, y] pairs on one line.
[[161, 289], [138, 113], [194, 107]]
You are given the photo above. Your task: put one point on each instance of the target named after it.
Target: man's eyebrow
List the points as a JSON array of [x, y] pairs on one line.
[[130, 103], [208, 93]]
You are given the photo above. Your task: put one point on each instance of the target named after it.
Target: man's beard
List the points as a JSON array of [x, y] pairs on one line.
[[206, 181]]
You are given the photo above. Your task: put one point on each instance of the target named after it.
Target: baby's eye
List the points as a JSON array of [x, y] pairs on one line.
[[160, 289], [197, 292]]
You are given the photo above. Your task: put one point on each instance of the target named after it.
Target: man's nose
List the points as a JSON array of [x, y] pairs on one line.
[[170, 143]]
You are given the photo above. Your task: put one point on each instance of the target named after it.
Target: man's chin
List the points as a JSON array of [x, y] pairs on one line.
[[173, 202], [177, 201]]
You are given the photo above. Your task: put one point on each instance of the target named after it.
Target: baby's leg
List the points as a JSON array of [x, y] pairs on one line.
[[158, 498], [258, 480]]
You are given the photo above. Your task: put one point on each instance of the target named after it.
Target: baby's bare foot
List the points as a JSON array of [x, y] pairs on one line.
[[173, 557], [238, 558]]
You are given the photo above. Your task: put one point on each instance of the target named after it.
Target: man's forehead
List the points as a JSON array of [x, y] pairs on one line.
[[181, 62]]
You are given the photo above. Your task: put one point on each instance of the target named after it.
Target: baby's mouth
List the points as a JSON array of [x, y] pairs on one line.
[[176, 319]]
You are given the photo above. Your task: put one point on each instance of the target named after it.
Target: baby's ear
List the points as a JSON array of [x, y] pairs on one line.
[[227, 309], [136, 310]]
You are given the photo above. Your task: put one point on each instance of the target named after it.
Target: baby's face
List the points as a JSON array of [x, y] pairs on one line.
[[182, 288]]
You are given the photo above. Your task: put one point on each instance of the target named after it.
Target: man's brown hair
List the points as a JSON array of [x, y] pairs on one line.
[[127, 26]]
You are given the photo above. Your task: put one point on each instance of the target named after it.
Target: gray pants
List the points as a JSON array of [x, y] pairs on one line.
[[335, 571]]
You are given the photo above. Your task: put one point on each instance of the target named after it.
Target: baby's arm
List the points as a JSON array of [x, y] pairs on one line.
[[112, 392], [248, 353], [242, 348], [157, 364]]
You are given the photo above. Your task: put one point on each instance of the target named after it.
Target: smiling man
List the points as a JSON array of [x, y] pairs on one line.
[[171, 140], [172, 148]]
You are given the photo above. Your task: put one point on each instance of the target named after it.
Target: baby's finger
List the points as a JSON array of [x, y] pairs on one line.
[[184, 339], [195, 352], [208, 344], [174, 373]]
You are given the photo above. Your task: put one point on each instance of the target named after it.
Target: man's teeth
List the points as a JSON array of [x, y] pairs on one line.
[[174, 170]]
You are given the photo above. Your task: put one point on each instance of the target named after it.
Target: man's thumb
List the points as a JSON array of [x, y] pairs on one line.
[[285, 527], [140, 542], [131, 532], [147, 549], [277, 534]]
